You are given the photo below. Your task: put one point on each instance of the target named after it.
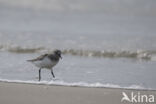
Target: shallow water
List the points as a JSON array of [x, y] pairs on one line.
[[89, 70], [101, 46]]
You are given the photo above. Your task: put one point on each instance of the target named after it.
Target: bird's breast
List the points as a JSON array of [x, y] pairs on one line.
[[45, 63]]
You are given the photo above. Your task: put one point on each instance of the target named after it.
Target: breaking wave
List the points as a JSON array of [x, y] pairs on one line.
[[145, 55], [18, 49], [110, 54], [75, 84]]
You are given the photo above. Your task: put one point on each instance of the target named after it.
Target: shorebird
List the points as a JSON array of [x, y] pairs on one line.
[[47, 61]]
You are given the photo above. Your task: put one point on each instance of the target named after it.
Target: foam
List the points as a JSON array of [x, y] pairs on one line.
[[75, 84], [138, 54]]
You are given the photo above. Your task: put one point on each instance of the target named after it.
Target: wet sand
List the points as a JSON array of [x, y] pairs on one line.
[[17, 93]]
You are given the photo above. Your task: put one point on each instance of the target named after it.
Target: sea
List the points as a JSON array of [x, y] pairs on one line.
[[104, 43]]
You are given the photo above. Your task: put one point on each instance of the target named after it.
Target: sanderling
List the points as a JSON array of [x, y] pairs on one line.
[[47, 61]]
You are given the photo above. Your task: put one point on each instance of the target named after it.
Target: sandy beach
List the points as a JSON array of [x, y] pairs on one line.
[[108, 50], [17, 93]]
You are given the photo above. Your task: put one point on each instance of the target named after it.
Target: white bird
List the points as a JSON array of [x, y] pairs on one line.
[[47, 61]]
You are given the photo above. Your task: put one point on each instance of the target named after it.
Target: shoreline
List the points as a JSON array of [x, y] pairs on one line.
[[38, 94], [68, 85]]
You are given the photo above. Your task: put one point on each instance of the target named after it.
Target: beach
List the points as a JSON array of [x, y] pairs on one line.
[[104, 43], [18, 93], [108, 51]]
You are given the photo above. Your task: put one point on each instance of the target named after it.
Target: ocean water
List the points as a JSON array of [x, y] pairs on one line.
[[105, 43]]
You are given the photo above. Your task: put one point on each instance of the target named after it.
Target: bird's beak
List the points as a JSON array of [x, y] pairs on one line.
[[60, 56]]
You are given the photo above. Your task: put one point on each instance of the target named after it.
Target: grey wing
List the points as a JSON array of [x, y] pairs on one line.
[[53, 57], [38, 58]]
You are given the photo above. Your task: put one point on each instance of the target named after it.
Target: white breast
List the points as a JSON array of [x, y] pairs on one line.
[[45, 63]]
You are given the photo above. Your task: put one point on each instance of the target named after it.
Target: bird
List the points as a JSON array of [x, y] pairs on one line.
[[47, 61]]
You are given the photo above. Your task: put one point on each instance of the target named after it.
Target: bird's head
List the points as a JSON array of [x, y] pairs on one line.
[[58, 52]]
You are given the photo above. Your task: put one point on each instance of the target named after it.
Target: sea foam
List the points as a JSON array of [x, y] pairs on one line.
[[74, 84]]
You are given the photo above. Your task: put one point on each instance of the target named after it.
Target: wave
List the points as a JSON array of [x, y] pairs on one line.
[[110, 54], [75, 84], [144, 55]]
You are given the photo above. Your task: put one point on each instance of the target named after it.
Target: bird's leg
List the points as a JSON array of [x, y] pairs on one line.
[[39, 74], [52, 73]]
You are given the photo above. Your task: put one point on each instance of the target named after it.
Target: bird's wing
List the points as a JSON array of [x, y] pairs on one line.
[[38, 58]]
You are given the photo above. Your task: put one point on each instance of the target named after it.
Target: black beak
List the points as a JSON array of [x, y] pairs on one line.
[[60, 56]]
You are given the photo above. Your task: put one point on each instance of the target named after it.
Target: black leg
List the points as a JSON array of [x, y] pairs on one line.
[[39, 74], [52, 73]]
